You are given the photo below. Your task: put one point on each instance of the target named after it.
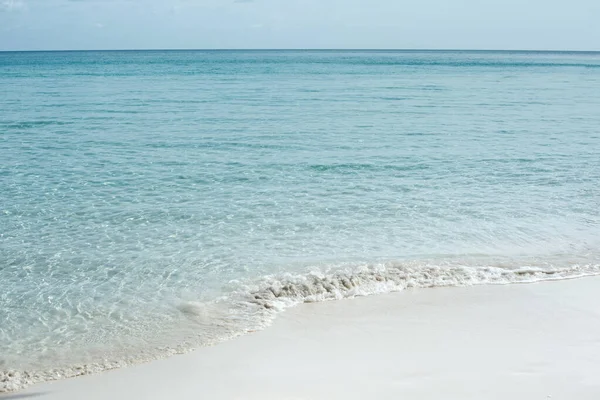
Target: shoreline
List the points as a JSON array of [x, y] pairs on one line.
[[496, 341], [264, 301]]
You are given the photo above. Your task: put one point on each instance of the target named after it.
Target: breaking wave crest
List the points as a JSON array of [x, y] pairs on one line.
[[278, 293], [253, 306]]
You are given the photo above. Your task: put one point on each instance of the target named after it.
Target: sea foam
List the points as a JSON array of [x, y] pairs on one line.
[[253, 306]]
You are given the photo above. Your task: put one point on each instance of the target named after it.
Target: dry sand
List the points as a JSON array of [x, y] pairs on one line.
[[529, 341]]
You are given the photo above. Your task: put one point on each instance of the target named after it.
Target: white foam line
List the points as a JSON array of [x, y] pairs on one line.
[[257, 305]]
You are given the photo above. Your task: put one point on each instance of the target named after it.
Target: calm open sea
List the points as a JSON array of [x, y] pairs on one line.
[[156, 201]]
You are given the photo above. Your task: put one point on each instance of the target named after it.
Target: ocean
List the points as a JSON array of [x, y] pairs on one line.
[[152, 202]]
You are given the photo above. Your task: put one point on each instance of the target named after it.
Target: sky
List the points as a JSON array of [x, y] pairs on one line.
[[258, 24]]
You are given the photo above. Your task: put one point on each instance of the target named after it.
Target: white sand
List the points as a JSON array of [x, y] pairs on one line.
[[535, 341]]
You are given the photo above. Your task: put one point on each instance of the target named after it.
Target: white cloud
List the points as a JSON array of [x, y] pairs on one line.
[[12, 5]]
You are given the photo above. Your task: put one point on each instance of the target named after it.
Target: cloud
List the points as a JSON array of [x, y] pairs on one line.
[[12, 5], [99, 1]]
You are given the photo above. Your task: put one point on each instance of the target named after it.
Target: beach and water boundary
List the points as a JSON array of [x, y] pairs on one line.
[[532, 341], [257, 308]]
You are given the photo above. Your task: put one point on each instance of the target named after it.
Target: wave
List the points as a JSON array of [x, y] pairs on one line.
[[278, 293], [253, 306], [354, 167]]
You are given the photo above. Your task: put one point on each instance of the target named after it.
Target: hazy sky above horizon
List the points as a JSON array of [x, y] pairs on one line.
[[439, 24]]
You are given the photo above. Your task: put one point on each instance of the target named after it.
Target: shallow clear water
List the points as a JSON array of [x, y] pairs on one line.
[[146, 196]]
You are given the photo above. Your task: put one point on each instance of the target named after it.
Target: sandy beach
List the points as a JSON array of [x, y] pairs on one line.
[[528, 341]]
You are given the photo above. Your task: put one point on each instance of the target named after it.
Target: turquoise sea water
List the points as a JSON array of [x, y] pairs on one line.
[[155, 201]]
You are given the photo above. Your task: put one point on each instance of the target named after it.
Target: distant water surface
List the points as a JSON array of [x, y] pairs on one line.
[[155, 201]]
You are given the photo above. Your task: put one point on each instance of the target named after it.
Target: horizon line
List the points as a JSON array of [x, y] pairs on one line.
[[304, 49]]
